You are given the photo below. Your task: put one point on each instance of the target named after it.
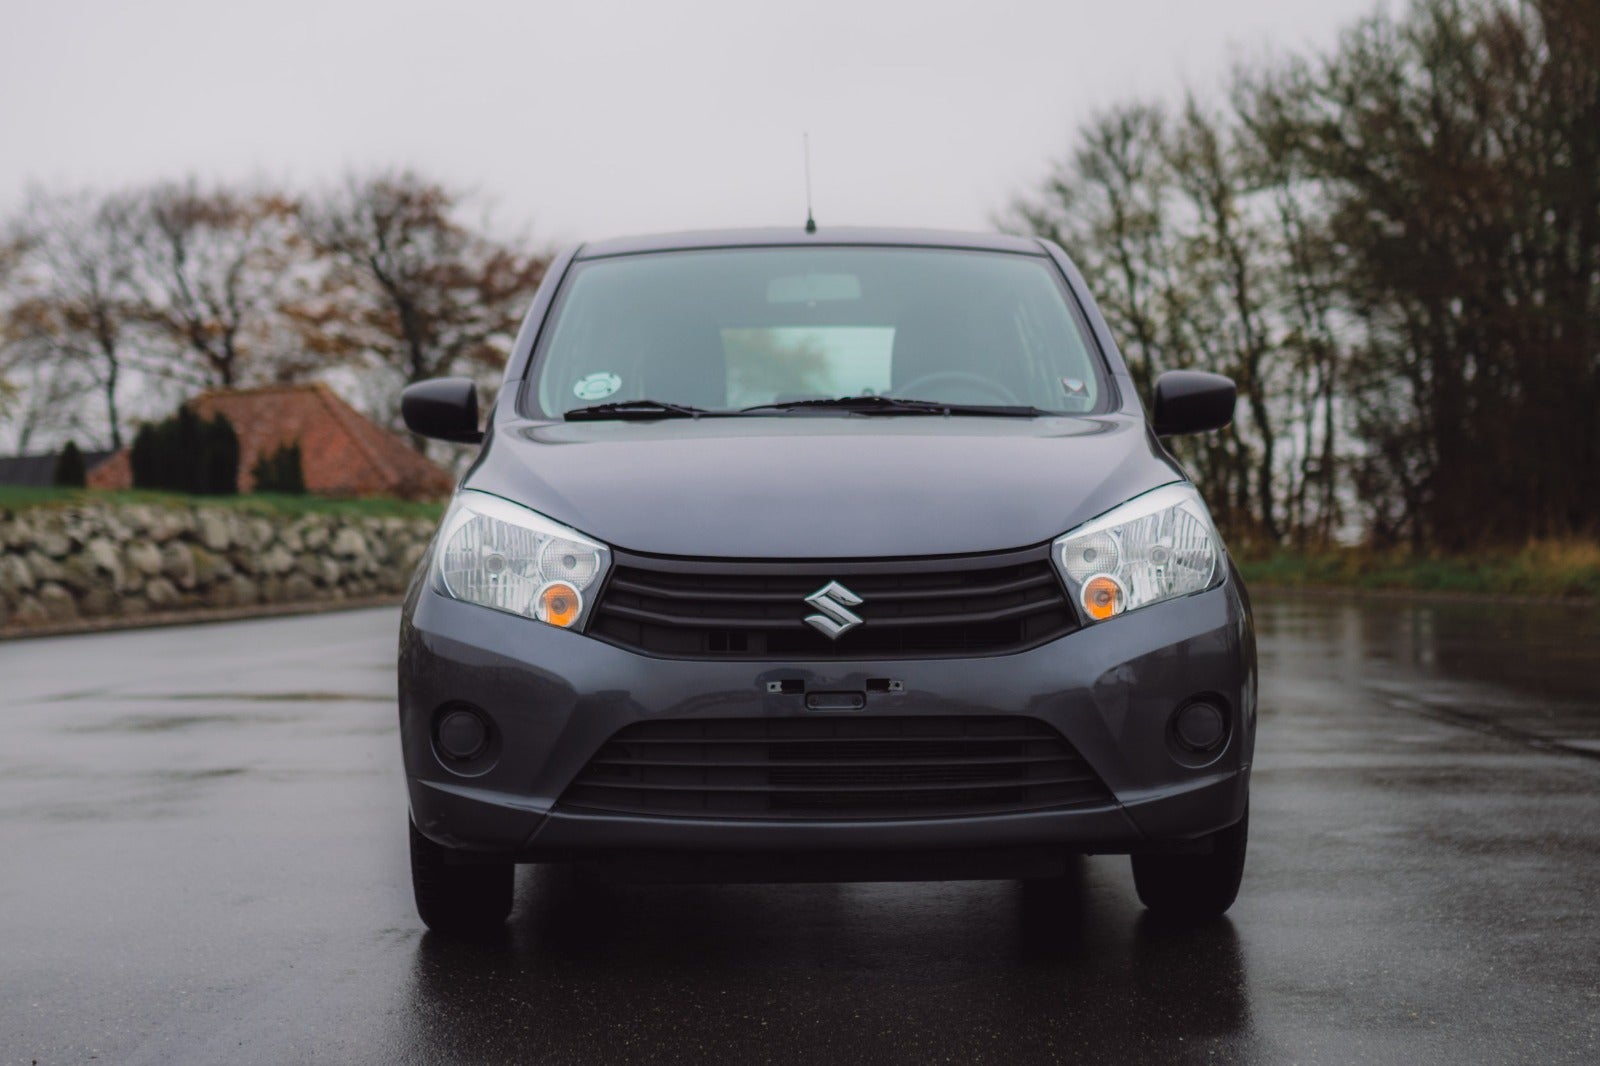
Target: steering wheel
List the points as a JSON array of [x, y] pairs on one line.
[[963, 377]]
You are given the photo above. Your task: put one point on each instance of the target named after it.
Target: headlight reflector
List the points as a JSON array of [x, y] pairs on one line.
[[499, 555], [1096, 553], [1155, 547]]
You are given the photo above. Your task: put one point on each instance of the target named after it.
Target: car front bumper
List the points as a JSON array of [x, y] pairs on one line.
[[556, 697]]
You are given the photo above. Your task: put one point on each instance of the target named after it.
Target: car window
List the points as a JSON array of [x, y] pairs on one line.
[[729, 329]]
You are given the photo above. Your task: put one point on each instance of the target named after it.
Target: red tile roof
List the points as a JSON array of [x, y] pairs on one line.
[[343, 452]]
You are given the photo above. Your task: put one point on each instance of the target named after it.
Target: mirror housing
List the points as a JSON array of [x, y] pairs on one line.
[[1192, 401], [443, 409]]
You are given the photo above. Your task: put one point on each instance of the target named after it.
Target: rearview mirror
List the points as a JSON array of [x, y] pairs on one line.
[[813, 288], [443, 408], [1192, 401]]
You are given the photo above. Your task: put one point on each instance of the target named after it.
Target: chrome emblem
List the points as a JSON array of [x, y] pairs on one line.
[[834, 601]]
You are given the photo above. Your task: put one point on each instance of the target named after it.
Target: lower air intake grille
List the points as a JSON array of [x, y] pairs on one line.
[[835, 768]]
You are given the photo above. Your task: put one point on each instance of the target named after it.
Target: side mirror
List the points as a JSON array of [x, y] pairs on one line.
[[1192, 401], [443, 408]]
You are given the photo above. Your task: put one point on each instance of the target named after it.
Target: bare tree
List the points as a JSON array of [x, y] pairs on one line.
[[38, 392], [1455, 153], [1395, 249], [1317, 334], [1107, 205], [1186, 237], [49, 403], [407, 285], [11, 249], [215, 265], [1144, 202], [1228, 263], [74, 298]]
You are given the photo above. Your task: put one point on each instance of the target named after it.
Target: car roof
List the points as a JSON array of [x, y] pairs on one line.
[[796, 236]]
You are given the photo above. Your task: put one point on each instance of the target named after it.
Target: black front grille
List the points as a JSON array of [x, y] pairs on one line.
[[913, 608], [836, 768]]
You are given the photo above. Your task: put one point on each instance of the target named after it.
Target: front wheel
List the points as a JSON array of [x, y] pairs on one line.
[[1194, 887], [459, 899]]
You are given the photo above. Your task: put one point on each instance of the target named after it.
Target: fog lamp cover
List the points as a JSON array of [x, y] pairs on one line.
[[462, 734], [1200, 726]]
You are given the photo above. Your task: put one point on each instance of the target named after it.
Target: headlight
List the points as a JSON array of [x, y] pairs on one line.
[[1154, 547], [496, 554]]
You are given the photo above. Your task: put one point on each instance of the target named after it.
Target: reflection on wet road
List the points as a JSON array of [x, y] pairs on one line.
[[202, 859]]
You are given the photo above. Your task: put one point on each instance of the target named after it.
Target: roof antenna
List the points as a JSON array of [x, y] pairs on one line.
[[811, 223]]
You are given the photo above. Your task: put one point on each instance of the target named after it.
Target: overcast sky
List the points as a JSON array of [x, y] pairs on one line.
[[590, 118]]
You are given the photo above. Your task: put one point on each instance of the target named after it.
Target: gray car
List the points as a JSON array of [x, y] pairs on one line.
[[823, 556]]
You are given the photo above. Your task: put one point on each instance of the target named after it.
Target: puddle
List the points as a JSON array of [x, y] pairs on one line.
[[252, 697], [160, 723], [219, 697], [276, 697], [183, 777], [138, 797]]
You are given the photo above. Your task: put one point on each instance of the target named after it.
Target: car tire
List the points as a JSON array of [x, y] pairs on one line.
[[1193, 888], [464, 899]]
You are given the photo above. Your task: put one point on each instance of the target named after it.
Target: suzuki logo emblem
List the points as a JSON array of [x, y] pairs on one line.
[[834, 601]]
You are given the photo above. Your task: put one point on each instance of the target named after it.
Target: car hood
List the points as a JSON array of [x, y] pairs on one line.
[[823, 487]]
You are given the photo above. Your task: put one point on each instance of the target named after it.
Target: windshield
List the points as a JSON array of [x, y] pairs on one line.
[[730, 329]]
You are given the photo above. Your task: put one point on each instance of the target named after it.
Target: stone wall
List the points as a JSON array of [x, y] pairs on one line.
[[60, 565]]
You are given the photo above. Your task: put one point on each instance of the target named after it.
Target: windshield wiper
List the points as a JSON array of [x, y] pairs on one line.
[[644, 410], [634, 409], [893, 405]]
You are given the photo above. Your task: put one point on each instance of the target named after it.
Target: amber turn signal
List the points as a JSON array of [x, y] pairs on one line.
[[1103, 597], [559, 604]]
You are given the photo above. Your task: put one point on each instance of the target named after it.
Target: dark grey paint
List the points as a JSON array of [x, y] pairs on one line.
[[807, 486], [443, 408], [772, 237], [1192, 401]]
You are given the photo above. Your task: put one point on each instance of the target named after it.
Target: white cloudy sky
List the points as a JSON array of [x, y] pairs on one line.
[[590, 118]]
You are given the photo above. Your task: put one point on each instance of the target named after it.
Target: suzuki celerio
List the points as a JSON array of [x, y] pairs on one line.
[[839, 555]]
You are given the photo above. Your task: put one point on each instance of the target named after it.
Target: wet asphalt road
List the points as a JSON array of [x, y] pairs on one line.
[[202, 859]]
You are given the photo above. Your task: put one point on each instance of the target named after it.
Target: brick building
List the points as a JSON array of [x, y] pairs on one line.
[[342, 452]]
